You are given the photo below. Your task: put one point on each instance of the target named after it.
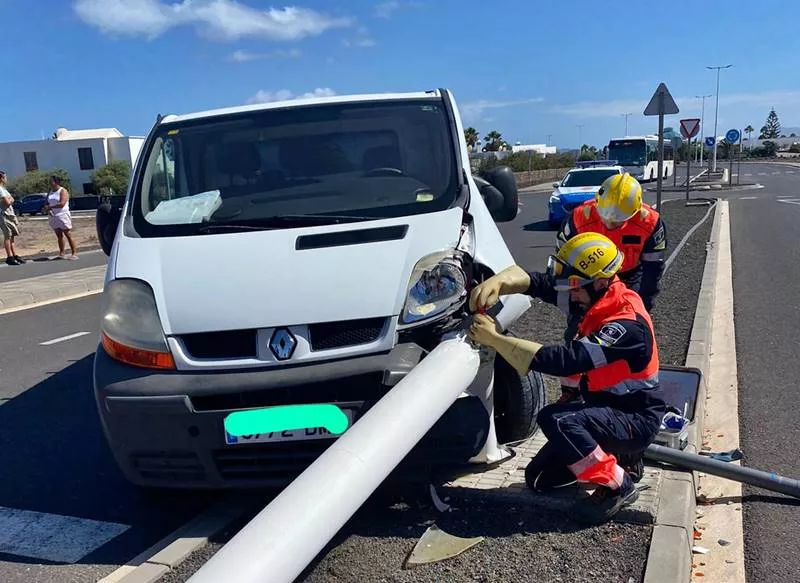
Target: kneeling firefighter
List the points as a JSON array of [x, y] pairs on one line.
[[615, 358]]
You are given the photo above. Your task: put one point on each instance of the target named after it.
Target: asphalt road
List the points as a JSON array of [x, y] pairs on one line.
[[50, 265], [766, 285], [54, 458]]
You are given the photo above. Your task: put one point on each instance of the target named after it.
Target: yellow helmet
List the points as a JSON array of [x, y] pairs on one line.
[[619, 198], [583, 259]]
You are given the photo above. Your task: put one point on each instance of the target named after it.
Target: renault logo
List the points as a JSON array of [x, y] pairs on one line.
[[282, 344]]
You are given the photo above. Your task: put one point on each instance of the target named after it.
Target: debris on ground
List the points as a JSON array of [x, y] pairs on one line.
[[436, 545]]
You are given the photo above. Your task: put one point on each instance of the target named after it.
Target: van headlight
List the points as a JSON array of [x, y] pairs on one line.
[[130, 330], [438, 285]]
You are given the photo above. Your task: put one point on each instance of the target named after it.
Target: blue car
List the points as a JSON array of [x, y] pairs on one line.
[[32, 204], [578, 185]]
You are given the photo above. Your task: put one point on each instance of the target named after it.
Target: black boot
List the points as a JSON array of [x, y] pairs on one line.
[[633, 464]]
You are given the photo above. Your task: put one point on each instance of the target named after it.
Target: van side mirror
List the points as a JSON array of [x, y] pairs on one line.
[[106, 223], [500, 193]]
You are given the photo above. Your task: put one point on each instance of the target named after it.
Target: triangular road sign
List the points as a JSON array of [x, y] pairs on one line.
[[690, 127], [661, 103]]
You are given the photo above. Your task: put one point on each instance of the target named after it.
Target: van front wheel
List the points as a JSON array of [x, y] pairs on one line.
[[517, 402]]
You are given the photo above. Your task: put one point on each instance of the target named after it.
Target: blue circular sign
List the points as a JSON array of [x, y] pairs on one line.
[[709, 141], [732, 136]]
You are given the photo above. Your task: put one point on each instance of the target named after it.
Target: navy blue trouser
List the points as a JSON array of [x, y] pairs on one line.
[[575, 430]]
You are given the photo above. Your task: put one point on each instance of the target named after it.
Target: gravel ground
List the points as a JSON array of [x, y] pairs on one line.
[[520, 544]]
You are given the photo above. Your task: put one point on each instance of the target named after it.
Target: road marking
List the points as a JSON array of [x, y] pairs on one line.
[[790, 200], [748, 198], [775, 173], [68, 298], [53, 537], [749, 174], [762, 173], [790, 172], [63, 338]]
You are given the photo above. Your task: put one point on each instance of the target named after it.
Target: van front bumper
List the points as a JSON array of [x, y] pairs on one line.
[[165, 429]]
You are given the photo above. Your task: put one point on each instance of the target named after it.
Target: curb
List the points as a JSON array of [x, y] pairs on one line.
[[720, 187], [155, 562], [42, 290], [670, 555]]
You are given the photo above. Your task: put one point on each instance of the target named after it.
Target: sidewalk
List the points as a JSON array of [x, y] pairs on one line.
[[47, 289]]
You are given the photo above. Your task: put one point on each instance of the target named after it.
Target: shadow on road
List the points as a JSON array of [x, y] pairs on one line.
[[538, 226], [55, 459]]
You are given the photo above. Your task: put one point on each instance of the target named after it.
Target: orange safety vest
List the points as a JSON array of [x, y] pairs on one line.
[[629, 238], [618, 303]]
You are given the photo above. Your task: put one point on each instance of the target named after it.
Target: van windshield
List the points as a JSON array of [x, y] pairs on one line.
[[277, 168]]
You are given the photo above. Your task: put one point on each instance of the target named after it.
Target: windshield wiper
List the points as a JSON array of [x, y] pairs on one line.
[[319, 218], [230, 227]]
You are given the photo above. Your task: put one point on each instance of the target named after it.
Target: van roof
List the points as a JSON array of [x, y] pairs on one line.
[[364, 97]]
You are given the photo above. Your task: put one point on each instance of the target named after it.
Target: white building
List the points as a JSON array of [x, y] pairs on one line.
[[79, 152], [538, 148]]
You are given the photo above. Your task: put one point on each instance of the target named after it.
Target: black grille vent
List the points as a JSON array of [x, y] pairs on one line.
[[279, 463], [226, 344], [168, 466], [359, 388], [330, 335]]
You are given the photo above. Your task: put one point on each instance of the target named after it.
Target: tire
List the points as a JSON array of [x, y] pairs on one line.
[[517, 401]]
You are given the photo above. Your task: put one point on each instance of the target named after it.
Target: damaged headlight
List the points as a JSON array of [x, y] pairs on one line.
[[438, 285]]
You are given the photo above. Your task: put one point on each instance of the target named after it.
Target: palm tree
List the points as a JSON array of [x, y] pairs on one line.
[[749, 130], [493, 141], [471, 136]]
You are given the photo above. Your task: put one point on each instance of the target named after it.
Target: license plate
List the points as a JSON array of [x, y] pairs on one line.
[[306, 434]]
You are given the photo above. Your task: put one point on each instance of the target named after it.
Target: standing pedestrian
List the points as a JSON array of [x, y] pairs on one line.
[[9, 223], [60, 216]]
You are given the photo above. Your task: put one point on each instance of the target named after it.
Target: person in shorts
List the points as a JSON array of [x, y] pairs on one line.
[[9, 223]]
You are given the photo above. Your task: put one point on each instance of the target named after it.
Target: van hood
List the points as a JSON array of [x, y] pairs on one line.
[[263, 279]]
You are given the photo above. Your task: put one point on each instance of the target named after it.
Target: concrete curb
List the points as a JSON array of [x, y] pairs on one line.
[[42, 290], [670, 556], [152, 564], [708, 187]]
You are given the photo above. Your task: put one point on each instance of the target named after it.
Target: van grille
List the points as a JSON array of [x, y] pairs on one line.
[[328, 335], [225, 344], [168, 466]]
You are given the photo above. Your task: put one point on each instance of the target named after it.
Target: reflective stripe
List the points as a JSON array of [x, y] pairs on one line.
[[573, 383], [654, 256], [595, 352], [629, 386], [584, 464]]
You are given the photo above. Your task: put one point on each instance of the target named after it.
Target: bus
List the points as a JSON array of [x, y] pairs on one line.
[[638, 155]]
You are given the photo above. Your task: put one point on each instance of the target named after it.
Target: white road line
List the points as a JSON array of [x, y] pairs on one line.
[[64, 338], [762, 173], [748, 198], [53, 537], [790, 172], [790, 200], [749, 174], [775, 173]]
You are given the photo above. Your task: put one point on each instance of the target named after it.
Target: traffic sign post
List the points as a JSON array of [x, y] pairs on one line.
[[689, 129], [661, 104], [710, 142], [732, 137]]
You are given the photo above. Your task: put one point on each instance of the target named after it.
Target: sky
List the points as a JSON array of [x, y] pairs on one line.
[[537, 71]]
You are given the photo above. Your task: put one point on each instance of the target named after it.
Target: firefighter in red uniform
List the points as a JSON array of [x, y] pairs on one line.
[[615, 357], [635, 227]]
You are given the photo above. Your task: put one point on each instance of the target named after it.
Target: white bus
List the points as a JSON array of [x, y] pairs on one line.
[[639, 156]]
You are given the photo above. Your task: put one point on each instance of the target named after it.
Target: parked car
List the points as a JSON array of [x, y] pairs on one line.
[[32, 204], [304, 252], [578, 185]]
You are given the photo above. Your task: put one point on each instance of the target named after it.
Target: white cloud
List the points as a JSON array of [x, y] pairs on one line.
[[246, 56], [285, 95], [474, 110], [616, 107], [218, 19], [386, 9], [363, 40]]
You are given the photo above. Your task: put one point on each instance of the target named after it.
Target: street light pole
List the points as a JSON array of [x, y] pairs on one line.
[[716, 113], [578, 155], [702, 121], [625, 115]]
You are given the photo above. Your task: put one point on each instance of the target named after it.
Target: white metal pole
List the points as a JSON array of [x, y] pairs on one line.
[[716, 114], [283, 539]]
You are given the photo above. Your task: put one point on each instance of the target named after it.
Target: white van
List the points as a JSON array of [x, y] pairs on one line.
[[306, 251]]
